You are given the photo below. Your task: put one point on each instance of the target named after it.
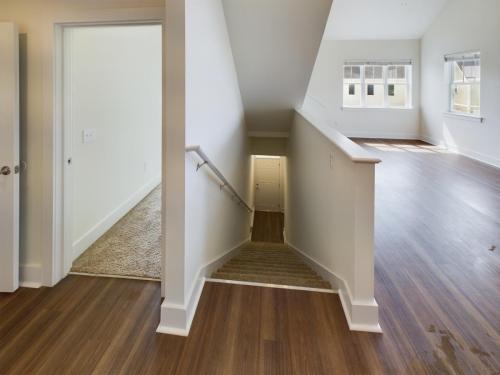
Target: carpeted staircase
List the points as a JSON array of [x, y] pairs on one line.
[[270, 263]]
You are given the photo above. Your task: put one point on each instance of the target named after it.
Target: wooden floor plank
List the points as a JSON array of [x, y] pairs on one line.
[[437, 285], [268, 227]]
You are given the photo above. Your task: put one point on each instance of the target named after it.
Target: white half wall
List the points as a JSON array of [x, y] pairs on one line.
[[214, 222], [113, 77], [463, 26], [326, 85], [329, 214]]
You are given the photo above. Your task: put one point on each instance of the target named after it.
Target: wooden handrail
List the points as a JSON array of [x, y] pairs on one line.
[[211, 165]]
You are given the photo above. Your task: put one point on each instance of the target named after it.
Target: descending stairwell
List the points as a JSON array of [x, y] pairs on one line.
[[270, 263]]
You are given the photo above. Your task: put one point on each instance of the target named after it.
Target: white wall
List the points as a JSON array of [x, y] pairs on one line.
[[214, 120], [379, 20], [114, 81], [329, 213], [36, 26], [268, 146], [325, 89], [463, 26]]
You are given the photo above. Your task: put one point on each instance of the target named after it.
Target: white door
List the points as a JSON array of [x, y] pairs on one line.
[[9, 157], [267, 184]]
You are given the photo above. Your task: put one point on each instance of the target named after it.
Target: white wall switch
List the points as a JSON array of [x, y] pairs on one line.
[[89, 135]]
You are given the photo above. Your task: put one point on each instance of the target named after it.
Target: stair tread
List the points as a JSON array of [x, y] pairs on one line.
[[249, 261], [260, 271], [248, 265], [270, 263]]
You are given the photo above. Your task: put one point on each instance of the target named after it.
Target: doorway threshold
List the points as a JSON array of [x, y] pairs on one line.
[[114, 276]]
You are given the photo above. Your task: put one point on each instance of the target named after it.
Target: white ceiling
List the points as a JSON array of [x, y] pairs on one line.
[[381, 19], [274, 44]]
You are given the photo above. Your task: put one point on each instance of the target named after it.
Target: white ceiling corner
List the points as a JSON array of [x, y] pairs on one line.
[[381, 19]]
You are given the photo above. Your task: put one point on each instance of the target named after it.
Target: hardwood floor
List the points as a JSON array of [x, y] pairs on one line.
[[437, 284], [268, 227], [437, 268]]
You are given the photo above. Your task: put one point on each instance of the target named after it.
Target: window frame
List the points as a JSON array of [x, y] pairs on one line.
[[408, 66], [450, 61]]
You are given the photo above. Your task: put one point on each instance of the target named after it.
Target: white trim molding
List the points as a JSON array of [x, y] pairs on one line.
[[360, 315], [53, 262], [480, 157], [30, 275], [464, 117], [265, 285], [176, 319], [113, 276]]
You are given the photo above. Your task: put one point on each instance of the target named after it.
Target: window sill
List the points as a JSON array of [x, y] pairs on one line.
[[375, 109], [464, 116]]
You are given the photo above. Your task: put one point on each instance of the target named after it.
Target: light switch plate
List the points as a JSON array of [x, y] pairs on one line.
[[332, 160], [89, 135]]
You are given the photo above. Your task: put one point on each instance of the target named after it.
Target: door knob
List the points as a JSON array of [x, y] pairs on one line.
[[5, 171]]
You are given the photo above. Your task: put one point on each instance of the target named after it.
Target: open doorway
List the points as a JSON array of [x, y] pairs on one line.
[[112, 125], [269, 183]]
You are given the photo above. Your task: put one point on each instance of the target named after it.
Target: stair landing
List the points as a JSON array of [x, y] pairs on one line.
[[270, 263]]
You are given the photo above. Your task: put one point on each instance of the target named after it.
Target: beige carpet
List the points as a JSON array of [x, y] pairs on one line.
[[131, 247], [270, 263]]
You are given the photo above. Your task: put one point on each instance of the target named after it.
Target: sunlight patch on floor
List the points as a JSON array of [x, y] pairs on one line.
[[406, 147]]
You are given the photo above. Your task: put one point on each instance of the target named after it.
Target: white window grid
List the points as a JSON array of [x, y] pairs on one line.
[[453, 83], [407, 81]]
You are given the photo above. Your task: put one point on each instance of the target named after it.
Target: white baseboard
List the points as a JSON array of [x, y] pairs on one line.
[[30, 275], [85, 241], [176, 319], [360, 315], [483, 158]]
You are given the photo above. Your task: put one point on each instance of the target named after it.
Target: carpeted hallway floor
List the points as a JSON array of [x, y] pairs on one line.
[[131, 248]]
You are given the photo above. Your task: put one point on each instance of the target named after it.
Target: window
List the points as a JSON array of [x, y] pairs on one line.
[[465, 83], [377, 85], [374, 81], [397, 86], [352, 85]]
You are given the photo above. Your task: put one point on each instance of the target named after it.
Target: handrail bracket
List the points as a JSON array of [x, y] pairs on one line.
[[224, 183], [199, 165]]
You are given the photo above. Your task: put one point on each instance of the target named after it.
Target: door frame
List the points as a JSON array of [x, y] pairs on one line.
[[54, 260]]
